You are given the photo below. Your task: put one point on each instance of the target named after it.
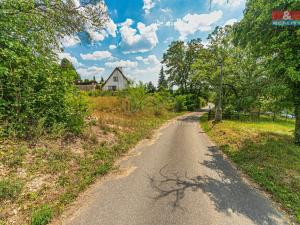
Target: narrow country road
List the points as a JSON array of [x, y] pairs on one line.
[[178, 178]]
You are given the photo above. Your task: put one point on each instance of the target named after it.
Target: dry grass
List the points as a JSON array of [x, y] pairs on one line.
[[49, 173]]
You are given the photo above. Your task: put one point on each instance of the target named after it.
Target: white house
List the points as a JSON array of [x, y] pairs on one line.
[[116, 81]]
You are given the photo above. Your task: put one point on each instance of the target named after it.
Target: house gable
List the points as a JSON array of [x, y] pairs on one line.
[[116, 81]]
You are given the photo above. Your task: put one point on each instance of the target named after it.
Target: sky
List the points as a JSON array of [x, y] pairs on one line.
[[138, 32]]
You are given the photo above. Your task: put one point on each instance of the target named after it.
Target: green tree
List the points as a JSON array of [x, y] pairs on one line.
[[162, 82], [278, 45], [66, 65], [178, 61], [150, 88], [35, 90]]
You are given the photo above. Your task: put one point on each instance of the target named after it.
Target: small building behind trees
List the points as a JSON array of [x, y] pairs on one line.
[[87, 85]]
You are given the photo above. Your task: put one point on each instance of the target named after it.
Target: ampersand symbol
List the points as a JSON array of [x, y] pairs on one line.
[[286, 15]]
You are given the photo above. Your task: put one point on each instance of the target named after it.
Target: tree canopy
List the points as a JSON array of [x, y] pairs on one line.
[[35, 90]]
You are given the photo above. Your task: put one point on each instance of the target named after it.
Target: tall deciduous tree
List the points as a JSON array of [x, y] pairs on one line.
[[178, 61], [279, 45]]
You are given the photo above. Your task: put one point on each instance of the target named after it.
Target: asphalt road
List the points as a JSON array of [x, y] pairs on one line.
[[177, 178]]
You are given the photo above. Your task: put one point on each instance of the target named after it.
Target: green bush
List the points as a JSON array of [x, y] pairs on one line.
[[10, 189], [202, 102], [36, 94], [137, 97], [180, 103], [157, 103], [42, 215]]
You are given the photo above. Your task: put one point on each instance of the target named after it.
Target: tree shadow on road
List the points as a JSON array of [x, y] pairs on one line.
[[226, 189]]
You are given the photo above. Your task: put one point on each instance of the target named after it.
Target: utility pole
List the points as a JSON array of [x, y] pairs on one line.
[[218, 116]]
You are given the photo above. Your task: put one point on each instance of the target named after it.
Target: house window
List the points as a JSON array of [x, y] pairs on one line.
[[115, 79], [112, 88]]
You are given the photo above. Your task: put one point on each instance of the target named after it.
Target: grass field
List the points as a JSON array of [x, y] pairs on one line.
[[264, 150], [39, 178]]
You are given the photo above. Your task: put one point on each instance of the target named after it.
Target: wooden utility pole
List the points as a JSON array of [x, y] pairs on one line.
[[218, 115]]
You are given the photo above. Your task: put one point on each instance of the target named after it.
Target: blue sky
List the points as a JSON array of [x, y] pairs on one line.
[[139, 31]]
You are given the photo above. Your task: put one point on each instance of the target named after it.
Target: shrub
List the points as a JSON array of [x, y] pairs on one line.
[[42, 215], [180, 103], [202, 102], [137, 98], [36, 93], [10, 189], [159, 103]]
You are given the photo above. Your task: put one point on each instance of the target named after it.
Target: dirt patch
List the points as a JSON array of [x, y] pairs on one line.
[[38, 182]]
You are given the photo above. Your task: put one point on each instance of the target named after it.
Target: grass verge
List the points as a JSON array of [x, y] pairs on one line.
[[265, 151], [39, 178]]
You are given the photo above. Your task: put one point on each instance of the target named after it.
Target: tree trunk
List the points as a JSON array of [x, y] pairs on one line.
[[297, 112]]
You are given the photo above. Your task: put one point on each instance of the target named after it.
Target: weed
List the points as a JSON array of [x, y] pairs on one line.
[[13, 156], [42, 215], [10, 189]]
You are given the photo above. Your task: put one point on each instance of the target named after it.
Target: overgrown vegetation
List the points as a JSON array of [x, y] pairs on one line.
[[37, 94], [265, 151], [38, 178]]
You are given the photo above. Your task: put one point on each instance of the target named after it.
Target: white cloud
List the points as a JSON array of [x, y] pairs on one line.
[[111, 28], [112, 47], [68, 56], [95, 35], [228, 3], [192, 23], [230, 22], [97, 55], [90, 72], [151, 59], [148, 5], [69, 41], [122, 63], [147, 74], [142, 39], [100, 34]]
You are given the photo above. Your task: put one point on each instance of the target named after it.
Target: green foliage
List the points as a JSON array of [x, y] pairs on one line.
[[202, 102], [161, 102], [10, 189], [42, 215], [180, 103], [178, 60], [276, 47], [66, 65], [137, 98], [162, 82], [35, 91], [150, 88]]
